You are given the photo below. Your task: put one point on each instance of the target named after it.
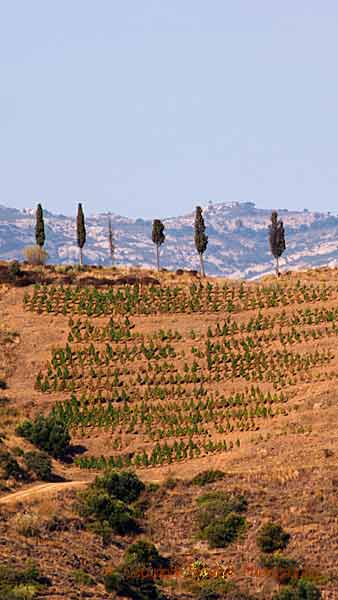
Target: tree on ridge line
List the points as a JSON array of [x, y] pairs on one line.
[[111, 241], [276, 238], [158, 238], [81, 232], [201, 239], [40, 236]]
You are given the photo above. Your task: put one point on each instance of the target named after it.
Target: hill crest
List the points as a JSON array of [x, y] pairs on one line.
[[238, 244]]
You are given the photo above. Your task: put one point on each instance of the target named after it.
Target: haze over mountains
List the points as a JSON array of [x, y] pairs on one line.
[[238, 240]]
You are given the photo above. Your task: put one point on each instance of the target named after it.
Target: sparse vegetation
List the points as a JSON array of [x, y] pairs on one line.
[[146, 554], [218, 589], [82, 578], [219, 519], [302, 590], [283, 569], [272, 537], [35, 255], [130, 585], [208, 476], [26, 524], [14, 269], [224, 531], [9, 467], [20, 583], [134, 578]]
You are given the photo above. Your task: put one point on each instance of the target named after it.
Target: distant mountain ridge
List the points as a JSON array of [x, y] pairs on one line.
[[238, 240]]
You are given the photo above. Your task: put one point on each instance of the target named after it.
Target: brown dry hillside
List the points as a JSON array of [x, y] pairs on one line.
[[170, 376]]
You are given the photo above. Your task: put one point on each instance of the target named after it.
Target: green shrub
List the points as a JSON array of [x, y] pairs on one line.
[[218, 589], [153, 487], [145, 553], [14, 576], [40, 464], [102, 529], [303, 590], [219, 519], [19, 583], [283, 569], [9, 466], [272, 537], [222, 532], [229, 501], [217, 505], [82, 578], [140, 506], [24, 591], [18, 451], [170, 483], [107, 501], [47, 433], [134, 578], [124, 583], [14, 269], [206, 477], [123, 485], [104, 508]]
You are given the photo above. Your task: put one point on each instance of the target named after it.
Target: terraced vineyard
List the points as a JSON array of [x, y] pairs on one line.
[[196, 298], [189, 388]]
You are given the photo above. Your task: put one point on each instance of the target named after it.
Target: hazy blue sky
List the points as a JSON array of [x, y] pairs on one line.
[[147, 108]]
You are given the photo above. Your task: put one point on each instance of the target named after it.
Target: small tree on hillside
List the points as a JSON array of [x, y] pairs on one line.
[[201, 239], [276, 238], [111, 241], [81, 231], [158, 238], [39, 227]]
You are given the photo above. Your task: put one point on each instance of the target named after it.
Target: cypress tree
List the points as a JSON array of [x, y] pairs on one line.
[[201, 239], [39, 227], [81, 231], [276, 238], [111, 241], [158, 238]]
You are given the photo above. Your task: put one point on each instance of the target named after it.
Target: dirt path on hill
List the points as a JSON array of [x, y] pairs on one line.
[[50, 488], [42, 488]]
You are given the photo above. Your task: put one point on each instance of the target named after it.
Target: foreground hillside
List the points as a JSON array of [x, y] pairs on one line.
[[238, 245], [171, 378]]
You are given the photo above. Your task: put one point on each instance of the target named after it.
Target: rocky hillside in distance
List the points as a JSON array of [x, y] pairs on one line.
[[238, 244]]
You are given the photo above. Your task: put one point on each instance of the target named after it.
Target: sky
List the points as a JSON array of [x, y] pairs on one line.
[[148, 108]]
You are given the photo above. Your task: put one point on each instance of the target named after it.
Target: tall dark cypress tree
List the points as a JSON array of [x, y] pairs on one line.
[[81, 231], [276, 238], [39, 227], [111, 241], [201, 239], [158, 238]]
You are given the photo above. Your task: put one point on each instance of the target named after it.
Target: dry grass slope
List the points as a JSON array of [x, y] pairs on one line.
[[174, 379]]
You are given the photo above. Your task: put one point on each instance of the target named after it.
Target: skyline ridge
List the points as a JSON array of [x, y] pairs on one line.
[[205, 206], [238, 239]]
